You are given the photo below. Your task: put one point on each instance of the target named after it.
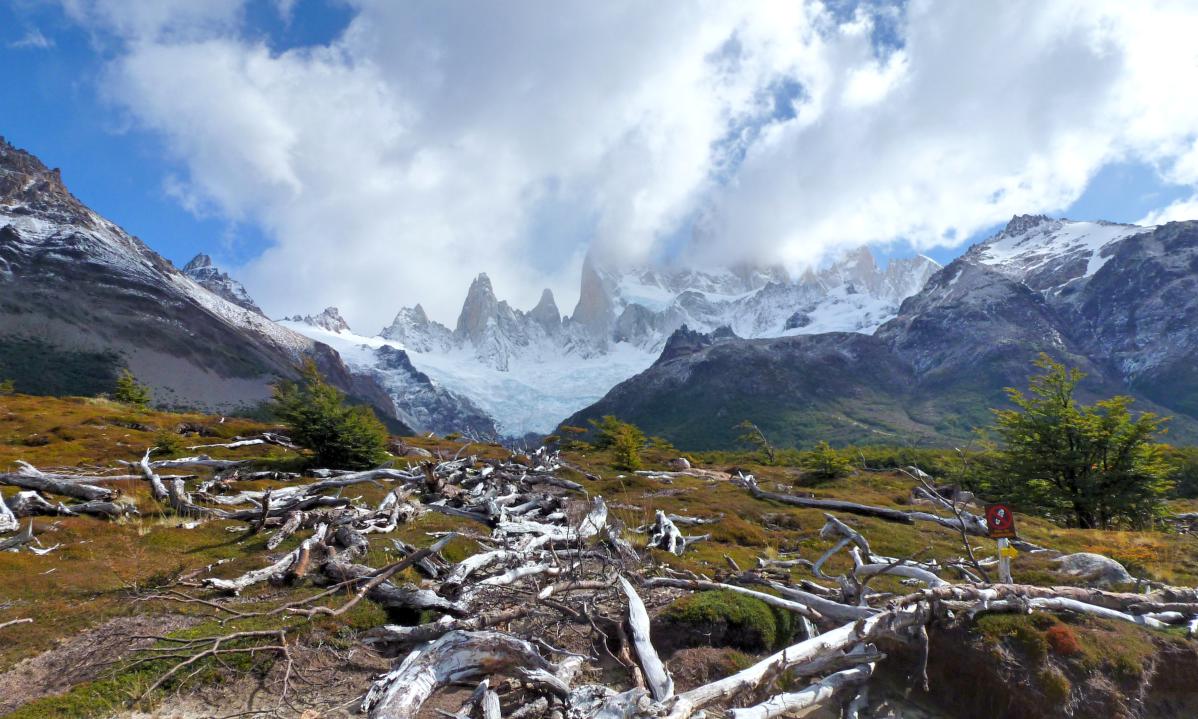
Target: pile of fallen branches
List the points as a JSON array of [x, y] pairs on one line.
[[553, 599]]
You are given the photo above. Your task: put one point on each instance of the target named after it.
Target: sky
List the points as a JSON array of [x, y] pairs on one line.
[[373, 154]]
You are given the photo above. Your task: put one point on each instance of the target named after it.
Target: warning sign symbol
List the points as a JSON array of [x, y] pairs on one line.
[[1001, 521]]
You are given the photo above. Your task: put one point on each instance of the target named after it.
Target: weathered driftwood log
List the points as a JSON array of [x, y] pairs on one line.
[[661, 684], [666, 535], [31, 478], [892, 623], [338, 571], [454, 658], [893, 515], [589, 526], [802, 609], [391, 638], [817, 694], [157, 488], [180, 501], [20, 539], [278, 569], [8, 521], [27, 504]]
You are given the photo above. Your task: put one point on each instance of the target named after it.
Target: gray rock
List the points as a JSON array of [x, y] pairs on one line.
[[681, 464], [1095, 569]]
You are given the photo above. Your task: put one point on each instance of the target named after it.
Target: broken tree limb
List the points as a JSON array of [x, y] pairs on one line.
[[661, 685], [817, 694], [801, 609], [394, 636], [13, 622], [866, 510], [8, 521], [889, 623], [157, 488], [278, 569], [31, 478], [17, 541], [454, 658]]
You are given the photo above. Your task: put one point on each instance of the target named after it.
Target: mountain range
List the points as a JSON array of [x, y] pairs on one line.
[[1117, 301], [851, 351], [80, 299]]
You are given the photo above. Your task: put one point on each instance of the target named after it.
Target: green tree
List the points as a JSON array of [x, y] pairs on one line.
[[752, 436], [130, 391], [7, 387], [1092, 466], [624, 439], [316, 414], [823, 462]]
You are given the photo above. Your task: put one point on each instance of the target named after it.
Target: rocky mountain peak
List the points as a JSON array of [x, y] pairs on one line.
[[330, 319], [546, 313], [199, 262], [480, 308], [1020, 224], [28, 185], [207, 275], [594, 311]]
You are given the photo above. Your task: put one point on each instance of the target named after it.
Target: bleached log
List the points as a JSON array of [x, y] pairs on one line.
[[278, 569], [26, 504], [386, 594], [831, 609], [180, 501], [889, 623], [393, 636], [666, 535], [201, 460], [31, 478], [454, 658], [817, 694], [801, 609], [477, 562], [861, 570], [1061, 604], [8, 521], [20, 539], [661, 684], [290, 524], [886, 513], [231, 445], [157, 488], [590, 525]]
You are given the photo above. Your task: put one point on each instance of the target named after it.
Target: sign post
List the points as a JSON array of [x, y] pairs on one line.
[[1000, 520]]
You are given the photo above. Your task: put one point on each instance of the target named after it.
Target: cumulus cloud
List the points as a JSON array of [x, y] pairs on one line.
[[432, 141]]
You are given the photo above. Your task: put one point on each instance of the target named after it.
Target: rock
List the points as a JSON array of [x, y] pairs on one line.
[[418, 452], [681, 464], [1094, 569]]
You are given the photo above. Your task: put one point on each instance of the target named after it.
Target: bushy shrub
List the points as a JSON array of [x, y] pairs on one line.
[[1062, 640], [624, 439], [7, 387], [823, 462], [317, 418], [130, 391]]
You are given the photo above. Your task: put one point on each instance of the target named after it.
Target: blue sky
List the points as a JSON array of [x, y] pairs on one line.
[[384, 153]]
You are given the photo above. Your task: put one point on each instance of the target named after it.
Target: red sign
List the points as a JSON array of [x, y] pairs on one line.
[[1000, 520]]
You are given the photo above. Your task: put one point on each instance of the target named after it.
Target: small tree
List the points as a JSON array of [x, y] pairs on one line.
[[1093, 466], [825, 463], [317, 417], [624, 439], [130, 391], [7, 387], [752, 436]]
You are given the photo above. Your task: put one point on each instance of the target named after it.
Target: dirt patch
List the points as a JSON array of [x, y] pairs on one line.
[[82, 658], [700, 665], [323, 684]]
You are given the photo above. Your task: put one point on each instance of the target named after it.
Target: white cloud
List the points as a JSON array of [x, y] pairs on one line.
[[33, 39], [433, 141]]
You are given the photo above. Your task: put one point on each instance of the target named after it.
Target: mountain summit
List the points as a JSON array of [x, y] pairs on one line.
[[211, 278], [80, 298]]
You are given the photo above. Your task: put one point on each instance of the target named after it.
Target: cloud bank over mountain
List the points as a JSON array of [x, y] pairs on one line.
[[428, 142]]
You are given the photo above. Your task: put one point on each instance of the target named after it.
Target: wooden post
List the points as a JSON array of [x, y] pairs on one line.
[[1004, 561]]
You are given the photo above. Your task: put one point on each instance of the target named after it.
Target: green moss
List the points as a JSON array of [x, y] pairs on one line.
[[1021, 631], [748, 623], [1055, 685]]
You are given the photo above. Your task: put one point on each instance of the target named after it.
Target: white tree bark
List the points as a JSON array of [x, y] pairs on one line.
[[660, 683], [817, 694], [8, 521], [455, 657]]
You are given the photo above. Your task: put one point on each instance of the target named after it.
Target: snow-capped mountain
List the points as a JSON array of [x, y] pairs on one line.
[[201, 270], [528, 369], [421, 403], [81, 298], [1119, 302]]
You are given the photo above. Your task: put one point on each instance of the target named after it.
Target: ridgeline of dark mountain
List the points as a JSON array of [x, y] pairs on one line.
[[80, 298], [1118, 301]]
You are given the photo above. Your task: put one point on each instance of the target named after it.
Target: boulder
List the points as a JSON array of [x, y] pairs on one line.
[[1094, 569], [680, 464]]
